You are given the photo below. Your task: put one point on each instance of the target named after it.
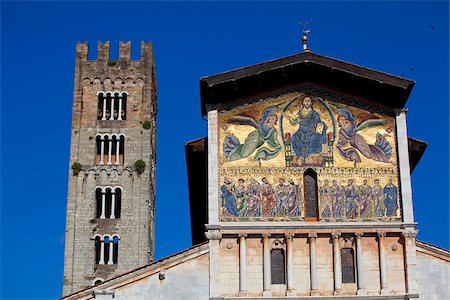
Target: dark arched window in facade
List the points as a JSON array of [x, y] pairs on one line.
[[108, 202], [118, 202], [348, 265], [110, 149], [278, 266], [98, 202], [311, 200], [97, 249]]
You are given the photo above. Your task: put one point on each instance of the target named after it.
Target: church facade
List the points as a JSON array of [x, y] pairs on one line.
[[301, 190]]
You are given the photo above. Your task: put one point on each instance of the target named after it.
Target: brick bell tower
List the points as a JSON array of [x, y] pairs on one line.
[[111, 190]]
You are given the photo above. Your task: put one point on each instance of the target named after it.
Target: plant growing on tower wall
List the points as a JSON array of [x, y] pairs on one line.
[[76, 168], [139, 166]]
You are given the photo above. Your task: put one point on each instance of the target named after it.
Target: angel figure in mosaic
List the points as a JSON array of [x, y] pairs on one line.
[[228, 197], [348, 135], [254, 198], [294, 198], [365, 200], [390, 199], [265, 132], [337, 197], [378, 199], [325, 200]]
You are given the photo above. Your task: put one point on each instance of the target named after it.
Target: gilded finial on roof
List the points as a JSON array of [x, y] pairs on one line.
[[305, 36]]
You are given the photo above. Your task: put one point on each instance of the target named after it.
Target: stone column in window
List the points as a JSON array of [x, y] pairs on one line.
[[359, 265], [242, 263], [117, 151], [383, 274], [337, 263], [110, 150], [102, 252], [119, 114], [113, 98], [102, 216], [290, 264], [111, 249], [102, 150], [313, 264], [113, 204], [104, 108], [266, 266]]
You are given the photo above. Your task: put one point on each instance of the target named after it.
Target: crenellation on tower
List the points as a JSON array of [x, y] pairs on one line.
[[110, 204]]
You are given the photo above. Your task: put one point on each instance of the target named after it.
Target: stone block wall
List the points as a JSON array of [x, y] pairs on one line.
[[135, 227]]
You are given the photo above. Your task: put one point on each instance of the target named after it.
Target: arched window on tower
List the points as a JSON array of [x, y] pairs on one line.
[[108, 202], [311, 199], [112, 106], [278, 266], [106, 250], [348, 265], [117, 202], [98, 202], [97, 249], [110, 149]]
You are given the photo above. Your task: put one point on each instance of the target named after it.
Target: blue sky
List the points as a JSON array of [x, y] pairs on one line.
[[191, 39]]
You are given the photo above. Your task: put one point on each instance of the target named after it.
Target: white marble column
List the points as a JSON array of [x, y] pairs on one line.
[[109, 150], [214, 237], [113, 98], [412, 275], [113, 204], [102, 252], [290, 264], [266, 266], [104, 108], [359, 265], [313, 264], [337, 263], [242, 263], [119, 115], [102, 150], [117, 150], [111, 249], [383, 270], [102, 216]]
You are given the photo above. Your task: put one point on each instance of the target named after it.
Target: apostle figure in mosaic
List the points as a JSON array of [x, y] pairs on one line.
[[337, 197], [265, 133], [241, 198], [351, 200], [295, 195], [325, 200], [350, 125], [281, 197], [268, 197], [307, 140], [254, 198], [378, 199], [390, 199], [228, 198], [365, 200]]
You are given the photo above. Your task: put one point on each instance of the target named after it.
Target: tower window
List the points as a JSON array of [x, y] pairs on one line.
[[108, 202], [112, 106], [278, 269], [106, 250], [311, 200], [110, 149], [348, 265]]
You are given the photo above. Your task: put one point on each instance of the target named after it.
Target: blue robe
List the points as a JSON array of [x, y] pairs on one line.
[[228, 200]]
